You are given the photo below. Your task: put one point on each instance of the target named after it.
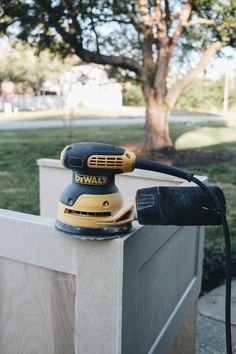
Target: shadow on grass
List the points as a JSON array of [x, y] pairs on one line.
[[206, 136]]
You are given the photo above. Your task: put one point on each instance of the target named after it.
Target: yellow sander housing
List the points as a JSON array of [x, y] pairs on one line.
[[91, 206]]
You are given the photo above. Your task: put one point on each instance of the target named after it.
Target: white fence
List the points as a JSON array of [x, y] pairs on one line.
[[94, 96], [30, 102]]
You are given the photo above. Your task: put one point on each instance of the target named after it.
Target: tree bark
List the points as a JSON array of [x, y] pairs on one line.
[[157, 128]]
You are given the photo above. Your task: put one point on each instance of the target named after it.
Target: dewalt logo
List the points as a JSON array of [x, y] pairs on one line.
[[95, 180]]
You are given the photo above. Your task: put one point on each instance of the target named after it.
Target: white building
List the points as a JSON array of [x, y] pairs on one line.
[[88, 85]]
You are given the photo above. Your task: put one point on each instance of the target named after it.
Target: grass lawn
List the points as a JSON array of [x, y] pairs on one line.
[[19, 172], [20, 149]]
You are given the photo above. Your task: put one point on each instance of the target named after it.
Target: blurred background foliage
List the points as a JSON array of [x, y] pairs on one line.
[[207, 95], [204, 95]]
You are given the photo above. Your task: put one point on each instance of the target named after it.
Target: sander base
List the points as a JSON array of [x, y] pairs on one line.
[[93, 233]]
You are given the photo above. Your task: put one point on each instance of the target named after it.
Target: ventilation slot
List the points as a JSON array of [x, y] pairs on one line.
[[106, 162], [86, 213]]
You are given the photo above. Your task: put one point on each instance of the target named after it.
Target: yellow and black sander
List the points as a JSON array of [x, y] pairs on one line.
[[91, 206]]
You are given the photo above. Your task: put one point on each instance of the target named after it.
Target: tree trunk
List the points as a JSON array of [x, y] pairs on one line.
[[157, 129]]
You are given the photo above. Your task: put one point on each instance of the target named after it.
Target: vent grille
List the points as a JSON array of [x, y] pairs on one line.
[[106, 162], [86, 213]]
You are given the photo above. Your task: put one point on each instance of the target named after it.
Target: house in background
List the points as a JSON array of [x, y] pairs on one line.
[[89, 85], [86, 85]]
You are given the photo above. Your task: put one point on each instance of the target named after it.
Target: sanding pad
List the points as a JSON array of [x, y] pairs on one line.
[[87, 233]]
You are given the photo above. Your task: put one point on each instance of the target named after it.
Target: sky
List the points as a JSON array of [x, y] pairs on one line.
[[223, 66]]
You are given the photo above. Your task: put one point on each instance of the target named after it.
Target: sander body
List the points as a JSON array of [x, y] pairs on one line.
[[91, 206]]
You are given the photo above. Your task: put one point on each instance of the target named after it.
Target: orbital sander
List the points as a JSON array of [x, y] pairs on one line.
[[91, 207]]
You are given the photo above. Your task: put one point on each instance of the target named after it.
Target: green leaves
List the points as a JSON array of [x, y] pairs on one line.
[[206, 95], [21, 66], [113, 27]]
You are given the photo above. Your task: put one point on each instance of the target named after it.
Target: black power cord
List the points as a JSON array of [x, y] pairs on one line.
[[173, 171], [227, 262]]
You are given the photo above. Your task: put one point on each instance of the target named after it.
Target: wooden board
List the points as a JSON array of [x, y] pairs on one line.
[[36, 309], [185, 341]]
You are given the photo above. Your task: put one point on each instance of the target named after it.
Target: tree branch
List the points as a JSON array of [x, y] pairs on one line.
[[46, 5], [158, 14], [183, 18], [94, 28], [200, 21], [163, 47], [159, 22], [167, 14], [118, 61], [110, 20], [180, 85], [147, 29], [145, 19], [5, 24], [88, 56], [208, 22], [131, 15], [71, 10]]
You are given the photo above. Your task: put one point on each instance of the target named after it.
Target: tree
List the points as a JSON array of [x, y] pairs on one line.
[[207, 94], [27, 71], [141, 36]]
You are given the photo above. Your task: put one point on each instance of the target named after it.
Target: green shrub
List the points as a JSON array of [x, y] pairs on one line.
[[133, 96], [206, 95], [214, 267]]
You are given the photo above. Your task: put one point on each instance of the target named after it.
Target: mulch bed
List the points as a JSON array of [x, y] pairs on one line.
[[183, 158]]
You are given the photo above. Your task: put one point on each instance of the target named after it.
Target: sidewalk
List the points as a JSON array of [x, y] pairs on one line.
[[210, 334]]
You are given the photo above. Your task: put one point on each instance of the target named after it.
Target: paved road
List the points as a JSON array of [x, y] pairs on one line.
[[99, 122]]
